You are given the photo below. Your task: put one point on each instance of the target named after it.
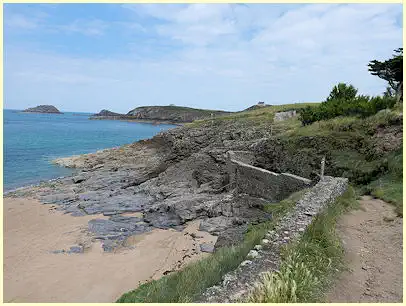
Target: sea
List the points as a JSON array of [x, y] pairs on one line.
[[32, 140]]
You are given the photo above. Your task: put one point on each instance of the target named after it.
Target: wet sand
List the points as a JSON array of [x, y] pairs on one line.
[[32, 273]]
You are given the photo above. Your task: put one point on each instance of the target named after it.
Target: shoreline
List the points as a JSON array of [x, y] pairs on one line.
[[56, 162], [34, 232], [6, 192]]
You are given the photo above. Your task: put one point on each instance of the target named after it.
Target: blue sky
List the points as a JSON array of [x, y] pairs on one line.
[[88, 57]]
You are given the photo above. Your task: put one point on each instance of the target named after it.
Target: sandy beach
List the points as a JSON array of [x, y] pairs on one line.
[[33, 273]]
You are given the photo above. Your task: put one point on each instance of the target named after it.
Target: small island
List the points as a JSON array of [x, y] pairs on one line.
[[44, 109], [106, 114]]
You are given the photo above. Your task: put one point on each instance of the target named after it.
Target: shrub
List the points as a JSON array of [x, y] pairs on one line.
[[342, 91], [343, 101]]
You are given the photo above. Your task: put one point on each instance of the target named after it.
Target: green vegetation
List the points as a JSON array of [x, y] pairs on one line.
[[309, 264], [175, 108], [188, 283], [261, 118], [389, 187], [343, 101], [391, 71], [360, 136], [353, 151]]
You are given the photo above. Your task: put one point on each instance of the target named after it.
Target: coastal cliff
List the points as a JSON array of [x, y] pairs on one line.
[[173, 113], [45, 109], [161, 114]]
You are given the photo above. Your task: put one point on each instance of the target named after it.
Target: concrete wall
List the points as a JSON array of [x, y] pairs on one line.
[[284, 115], [245, 157], [260, 182]]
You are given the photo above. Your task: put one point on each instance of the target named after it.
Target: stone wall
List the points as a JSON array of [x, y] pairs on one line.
[[259, 182], [266, 257]]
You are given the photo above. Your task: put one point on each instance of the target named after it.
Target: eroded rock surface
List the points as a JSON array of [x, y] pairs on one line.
[[178, 176]]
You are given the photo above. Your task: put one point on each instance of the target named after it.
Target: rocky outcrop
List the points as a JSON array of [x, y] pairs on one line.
[[106, 114], [46, 109], [175, 177]]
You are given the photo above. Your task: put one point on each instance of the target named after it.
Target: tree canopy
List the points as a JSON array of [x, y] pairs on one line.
[[390, 70], [342, 91]]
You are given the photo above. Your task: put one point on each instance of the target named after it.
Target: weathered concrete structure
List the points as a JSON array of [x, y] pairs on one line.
[[259, 182], [284, 115]]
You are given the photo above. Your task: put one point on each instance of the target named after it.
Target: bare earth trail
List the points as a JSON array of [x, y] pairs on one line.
[[372, 238]]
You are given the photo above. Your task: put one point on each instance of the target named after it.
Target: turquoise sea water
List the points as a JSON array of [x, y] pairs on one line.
[[31, 141]]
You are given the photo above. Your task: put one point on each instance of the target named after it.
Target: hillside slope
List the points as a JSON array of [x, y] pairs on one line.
[[172, 113]]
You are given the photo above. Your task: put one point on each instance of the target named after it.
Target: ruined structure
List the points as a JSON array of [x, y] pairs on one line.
[[258, 182], [285, 115]]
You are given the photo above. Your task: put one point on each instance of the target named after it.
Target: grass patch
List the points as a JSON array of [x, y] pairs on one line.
[[348, 124], [388, 188], [308, 265], [260, 116], [187, 284]]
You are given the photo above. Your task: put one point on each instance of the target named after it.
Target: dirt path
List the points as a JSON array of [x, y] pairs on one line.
[[32, 273], [372, 238]]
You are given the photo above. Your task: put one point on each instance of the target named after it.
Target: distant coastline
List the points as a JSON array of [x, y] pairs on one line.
[[132, 119], [31, 141]]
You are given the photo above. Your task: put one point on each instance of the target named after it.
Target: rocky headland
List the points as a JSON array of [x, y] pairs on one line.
[[175, 114], [161, 114], [177, 176], [45, 109]]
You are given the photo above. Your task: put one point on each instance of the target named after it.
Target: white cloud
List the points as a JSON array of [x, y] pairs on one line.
[[225, 57], [19, 21], [94, 27]]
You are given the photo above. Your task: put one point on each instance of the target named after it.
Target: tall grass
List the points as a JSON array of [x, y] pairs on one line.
[[258, 116], [185, 285], [308, 265]]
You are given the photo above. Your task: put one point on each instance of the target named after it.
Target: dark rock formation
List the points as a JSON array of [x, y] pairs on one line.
[[105, 114], [175, 177], [46, 109]]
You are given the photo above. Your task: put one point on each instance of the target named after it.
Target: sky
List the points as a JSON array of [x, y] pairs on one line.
[[88, 57]]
